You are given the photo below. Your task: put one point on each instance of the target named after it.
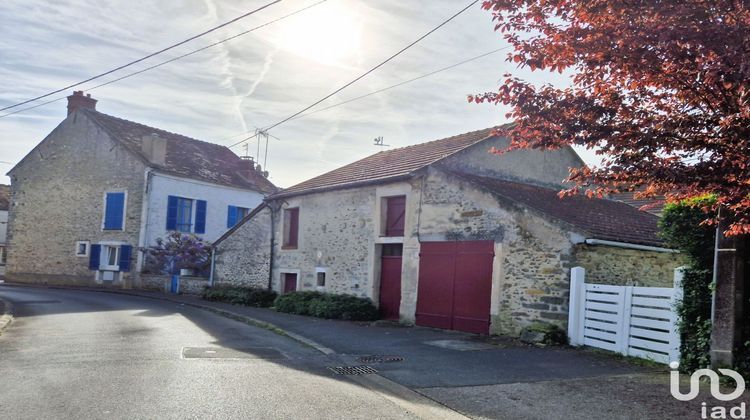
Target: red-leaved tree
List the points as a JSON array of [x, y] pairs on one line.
[[660, 88]]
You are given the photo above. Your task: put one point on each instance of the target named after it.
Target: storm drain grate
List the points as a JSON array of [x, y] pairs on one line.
[[376, 358], [353, 370]]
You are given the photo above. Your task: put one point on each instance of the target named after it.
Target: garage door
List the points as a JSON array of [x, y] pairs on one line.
[[455, 282]]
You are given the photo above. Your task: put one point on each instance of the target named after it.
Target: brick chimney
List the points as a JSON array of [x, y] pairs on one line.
[[77, 100]]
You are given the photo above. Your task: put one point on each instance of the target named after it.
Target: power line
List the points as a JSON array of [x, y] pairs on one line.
[[143, 58], [432, 73], [405, 82], [171, 59], [365, 73]]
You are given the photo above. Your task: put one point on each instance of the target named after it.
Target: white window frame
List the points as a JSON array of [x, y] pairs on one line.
[[124, 209], [88, 248], [103, 257], [283, 271], [193, 204], [319, 270]]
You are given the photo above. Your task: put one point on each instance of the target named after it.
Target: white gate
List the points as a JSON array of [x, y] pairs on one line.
[[634, 321]]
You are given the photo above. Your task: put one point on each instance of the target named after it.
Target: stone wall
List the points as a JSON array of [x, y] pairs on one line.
[[532, 254], [162, 283], [58, 199], [627, 267], [244, 257], [336, 234]]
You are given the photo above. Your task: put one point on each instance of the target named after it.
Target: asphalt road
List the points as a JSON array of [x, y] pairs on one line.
[[76, 354]]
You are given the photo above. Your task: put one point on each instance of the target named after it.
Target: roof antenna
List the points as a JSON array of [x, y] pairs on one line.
[[380, 142]]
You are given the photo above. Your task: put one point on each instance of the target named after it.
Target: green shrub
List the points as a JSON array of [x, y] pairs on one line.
[[681, 228], [248, 296], [330, 306]]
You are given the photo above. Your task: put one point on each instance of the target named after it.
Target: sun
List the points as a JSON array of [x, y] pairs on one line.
[[329, 35]]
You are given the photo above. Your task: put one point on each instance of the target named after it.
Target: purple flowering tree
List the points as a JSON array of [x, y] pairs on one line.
[[179, 251]]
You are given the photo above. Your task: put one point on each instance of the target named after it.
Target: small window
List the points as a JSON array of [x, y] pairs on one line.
[[321, 279], [291, 228], [82, 249], [2, 255], [184, 215], [114, 211], [110, 257], [395, 211]]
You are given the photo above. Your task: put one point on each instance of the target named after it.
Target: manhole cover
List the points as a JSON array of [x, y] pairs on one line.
[[225, 353], [375, 358], [353, 370]]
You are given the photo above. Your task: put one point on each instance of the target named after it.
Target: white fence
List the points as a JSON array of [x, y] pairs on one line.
[[634, 321]]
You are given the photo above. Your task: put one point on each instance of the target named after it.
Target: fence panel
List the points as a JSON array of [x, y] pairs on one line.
[[634, 321]]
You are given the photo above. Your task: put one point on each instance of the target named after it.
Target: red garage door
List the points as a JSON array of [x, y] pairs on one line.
[[455, 282]]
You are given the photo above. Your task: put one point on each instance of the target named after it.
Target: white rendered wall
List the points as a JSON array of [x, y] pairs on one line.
[[218, 199]]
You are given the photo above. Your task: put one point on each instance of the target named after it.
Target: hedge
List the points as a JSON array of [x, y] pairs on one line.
[[248, 296], [326, 305]]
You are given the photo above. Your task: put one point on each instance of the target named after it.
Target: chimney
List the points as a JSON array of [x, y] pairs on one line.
[[77, 100], [154, 148]]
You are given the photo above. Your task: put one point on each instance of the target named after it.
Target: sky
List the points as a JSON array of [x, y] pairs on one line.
[[258, 79]]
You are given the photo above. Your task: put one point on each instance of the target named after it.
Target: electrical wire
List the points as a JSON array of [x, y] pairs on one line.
[[143, 58], [179, 57], [381, 64]]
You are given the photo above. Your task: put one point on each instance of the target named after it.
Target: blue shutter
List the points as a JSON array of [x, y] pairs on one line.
[[231, 216], [113, 212], [200, 216], [94, 254], [125, 253], [172, 213]]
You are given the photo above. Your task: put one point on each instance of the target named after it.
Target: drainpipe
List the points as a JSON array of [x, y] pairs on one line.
[[631, 246], [211, 272], [273, 236]]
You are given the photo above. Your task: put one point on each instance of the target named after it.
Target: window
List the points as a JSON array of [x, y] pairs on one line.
[[82, 249], [184, 215], [110, 257], [114, 211], [235, 214], [2, 255], [291, 228], [180, 214], [395, 211], [321, 279]]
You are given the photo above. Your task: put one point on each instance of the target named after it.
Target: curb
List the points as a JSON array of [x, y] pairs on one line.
[[6, 316]]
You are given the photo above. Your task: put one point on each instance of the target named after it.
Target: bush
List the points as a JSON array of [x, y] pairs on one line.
[[330, 306], [248, 296], [681, 228]]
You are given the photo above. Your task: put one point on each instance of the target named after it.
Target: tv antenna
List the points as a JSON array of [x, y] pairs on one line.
[[380, 142]]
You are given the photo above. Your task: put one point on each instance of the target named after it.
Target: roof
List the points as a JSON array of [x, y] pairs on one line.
[[388, 165], [4, 197], [601, 218], [186, 157], [653, 205]]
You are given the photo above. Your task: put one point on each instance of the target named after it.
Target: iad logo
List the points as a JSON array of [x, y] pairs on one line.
[[717, 412]]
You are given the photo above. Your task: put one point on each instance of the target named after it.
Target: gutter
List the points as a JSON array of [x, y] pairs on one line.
[[631, 246]]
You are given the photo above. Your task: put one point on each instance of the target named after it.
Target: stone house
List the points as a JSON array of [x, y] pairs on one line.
[[4, 204], [445, 234], [98, 189]]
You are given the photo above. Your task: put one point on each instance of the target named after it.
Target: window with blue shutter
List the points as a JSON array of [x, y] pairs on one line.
[[94, 255], [114, 210], [231, 216], [235, 215], [125, 254], [180, 214], [200, 216]]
